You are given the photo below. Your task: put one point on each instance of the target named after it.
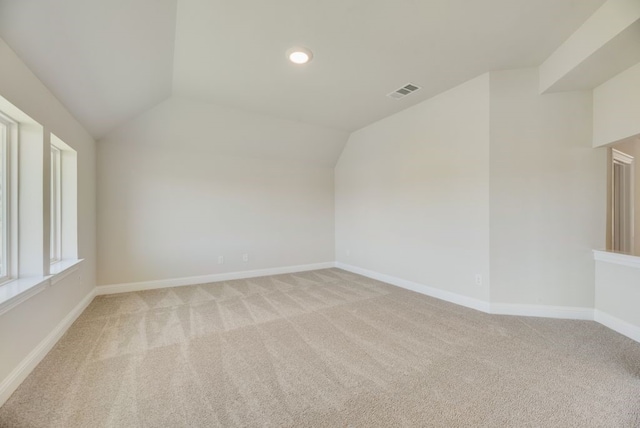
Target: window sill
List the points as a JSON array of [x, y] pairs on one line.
[[617, 258], [60, 270], [19, 290]]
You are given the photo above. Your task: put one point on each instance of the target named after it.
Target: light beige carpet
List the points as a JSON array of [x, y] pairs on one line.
[[324, 349]]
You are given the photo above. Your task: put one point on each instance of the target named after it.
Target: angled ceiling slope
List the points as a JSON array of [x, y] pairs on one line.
[[604, 46], [105, 60], [109, 60]]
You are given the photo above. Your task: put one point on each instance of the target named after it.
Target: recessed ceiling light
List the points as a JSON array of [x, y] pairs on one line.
[[299, 55]]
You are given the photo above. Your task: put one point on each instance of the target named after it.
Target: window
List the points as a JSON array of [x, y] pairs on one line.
[[55, 253], [63, 211], [29, 260], [4, 169], [7, 135]]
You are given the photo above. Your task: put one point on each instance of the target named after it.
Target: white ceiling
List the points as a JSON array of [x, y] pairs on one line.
[[108, 60]]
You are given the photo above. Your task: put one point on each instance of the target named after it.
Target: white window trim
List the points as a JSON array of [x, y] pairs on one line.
[[10, 199], [19, 290], [63, 269], [55, 247], [66, 221], [31, 276], [5, 199]]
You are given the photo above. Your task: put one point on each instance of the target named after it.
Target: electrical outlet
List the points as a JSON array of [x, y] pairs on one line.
[[245, 258], [220, 260], [478, 279], [348, 253]]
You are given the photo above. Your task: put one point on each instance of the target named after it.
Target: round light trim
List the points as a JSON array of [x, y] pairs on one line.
[[299, 55]]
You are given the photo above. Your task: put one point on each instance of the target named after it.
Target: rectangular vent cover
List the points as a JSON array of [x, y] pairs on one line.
[[407, 89]]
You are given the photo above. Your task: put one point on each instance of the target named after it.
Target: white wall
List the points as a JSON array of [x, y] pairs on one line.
[[616, 108], [490, 177], [616, 118], [548, 193], [412, 193], [23, 327], [618, 296], [187, 182]]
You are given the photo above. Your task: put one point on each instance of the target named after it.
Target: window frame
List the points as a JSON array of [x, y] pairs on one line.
[[27, 183], [8, 199], [55, 235]]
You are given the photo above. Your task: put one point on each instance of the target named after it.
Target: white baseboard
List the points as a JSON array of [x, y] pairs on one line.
[[543, 311], [203, 279], [562, 312], [26, 366], [616, 324], [448, 296]]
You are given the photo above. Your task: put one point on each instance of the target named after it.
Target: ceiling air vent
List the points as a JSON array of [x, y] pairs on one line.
[[407, 89]]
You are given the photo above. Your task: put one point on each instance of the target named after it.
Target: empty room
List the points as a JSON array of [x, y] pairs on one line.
[[338, 213]]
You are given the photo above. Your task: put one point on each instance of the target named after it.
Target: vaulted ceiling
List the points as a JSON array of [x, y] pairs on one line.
[[110, 60], [105, 60]]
